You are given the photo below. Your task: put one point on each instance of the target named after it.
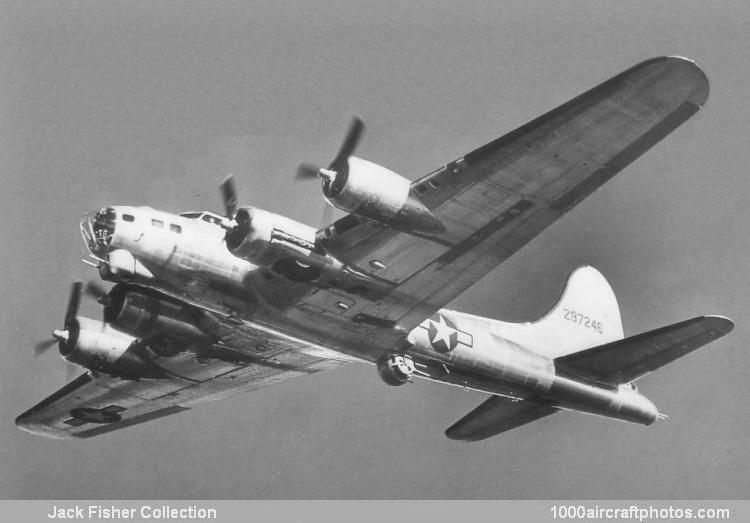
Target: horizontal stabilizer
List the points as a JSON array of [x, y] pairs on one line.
[[631, 358], [497, 415]]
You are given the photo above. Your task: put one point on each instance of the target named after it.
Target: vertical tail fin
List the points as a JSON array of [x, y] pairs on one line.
[[586, 315]]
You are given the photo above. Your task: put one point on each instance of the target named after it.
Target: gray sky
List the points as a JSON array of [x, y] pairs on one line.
[[153, 103]]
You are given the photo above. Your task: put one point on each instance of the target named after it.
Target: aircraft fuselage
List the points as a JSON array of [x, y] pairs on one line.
[[186, 256]]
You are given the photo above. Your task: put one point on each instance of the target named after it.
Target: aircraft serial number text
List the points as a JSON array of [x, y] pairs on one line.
[[583, 320]]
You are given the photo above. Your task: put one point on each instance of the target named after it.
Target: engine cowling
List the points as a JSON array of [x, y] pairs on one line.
[[100, 347], [377, 193], [262, 237], [167, 325], [396, 369], [282, 245]]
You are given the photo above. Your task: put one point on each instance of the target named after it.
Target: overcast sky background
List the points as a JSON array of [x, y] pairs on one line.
[[154, 103]]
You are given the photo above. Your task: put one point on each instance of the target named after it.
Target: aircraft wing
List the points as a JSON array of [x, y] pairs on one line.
[[95, 404], [627, 360], [497, 198], [496, 415]]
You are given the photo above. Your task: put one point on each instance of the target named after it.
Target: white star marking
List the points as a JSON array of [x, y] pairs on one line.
[[442, 332]]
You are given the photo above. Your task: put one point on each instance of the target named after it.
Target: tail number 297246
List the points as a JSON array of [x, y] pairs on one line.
[[583, 320]]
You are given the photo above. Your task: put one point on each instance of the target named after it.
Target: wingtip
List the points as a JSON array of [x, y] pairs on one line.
[[458, 435], [680, 58], [690, 72], [24, 423], [702, 86], [720, 324]]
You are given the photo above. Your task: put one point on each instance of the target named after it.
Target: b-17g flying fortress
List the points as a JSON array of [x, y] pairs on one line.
[[206, 305]]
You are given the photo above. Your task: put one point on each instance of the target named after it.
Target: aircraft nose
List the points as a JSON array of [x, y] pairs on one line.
[[98, 229]]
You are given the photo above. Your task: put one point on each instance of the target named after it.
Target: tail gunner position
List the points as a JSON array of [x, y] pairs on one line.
[[204, 305]]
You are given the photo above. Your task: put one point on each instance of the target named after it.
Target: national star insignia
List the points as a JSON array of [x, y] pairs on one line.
[[442, 334]]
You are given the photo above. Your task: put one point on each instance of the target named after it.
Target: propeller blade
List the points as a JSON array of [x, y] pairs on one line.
[[353, 136], [73, 303], [307, 171], [340, 164], [96, 291], [229, 195], [43, 346]]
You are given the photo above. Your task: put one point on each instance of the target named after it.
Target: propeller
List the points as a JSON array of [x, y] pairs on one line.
[[340, 164], [62, 336], [337, 170], [96, 291], [235, 232], [71, 369], [43, 346], [74, 302], [353, 136], [229, 195]]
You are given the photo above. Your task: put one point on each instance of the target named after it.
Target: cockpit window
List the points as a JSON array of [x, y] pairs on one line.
[[157, 223], [206, 216], [128, 217], [175, 228]]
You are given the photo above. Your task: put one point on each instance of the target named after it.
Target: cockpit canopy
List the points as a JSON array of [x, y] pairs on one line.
[[206, 216]]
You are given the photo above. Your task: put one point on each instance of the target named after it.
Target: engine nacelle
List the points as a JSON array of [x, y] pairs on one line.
[[375, 192], [279, 244], [262, 237], [290, 249], [98, 346], [167, 325], [396, 369]]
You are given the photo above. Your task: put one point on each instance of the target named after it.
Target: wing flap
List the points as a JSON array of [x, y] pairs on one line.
[[496, 415], [628, 359]]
